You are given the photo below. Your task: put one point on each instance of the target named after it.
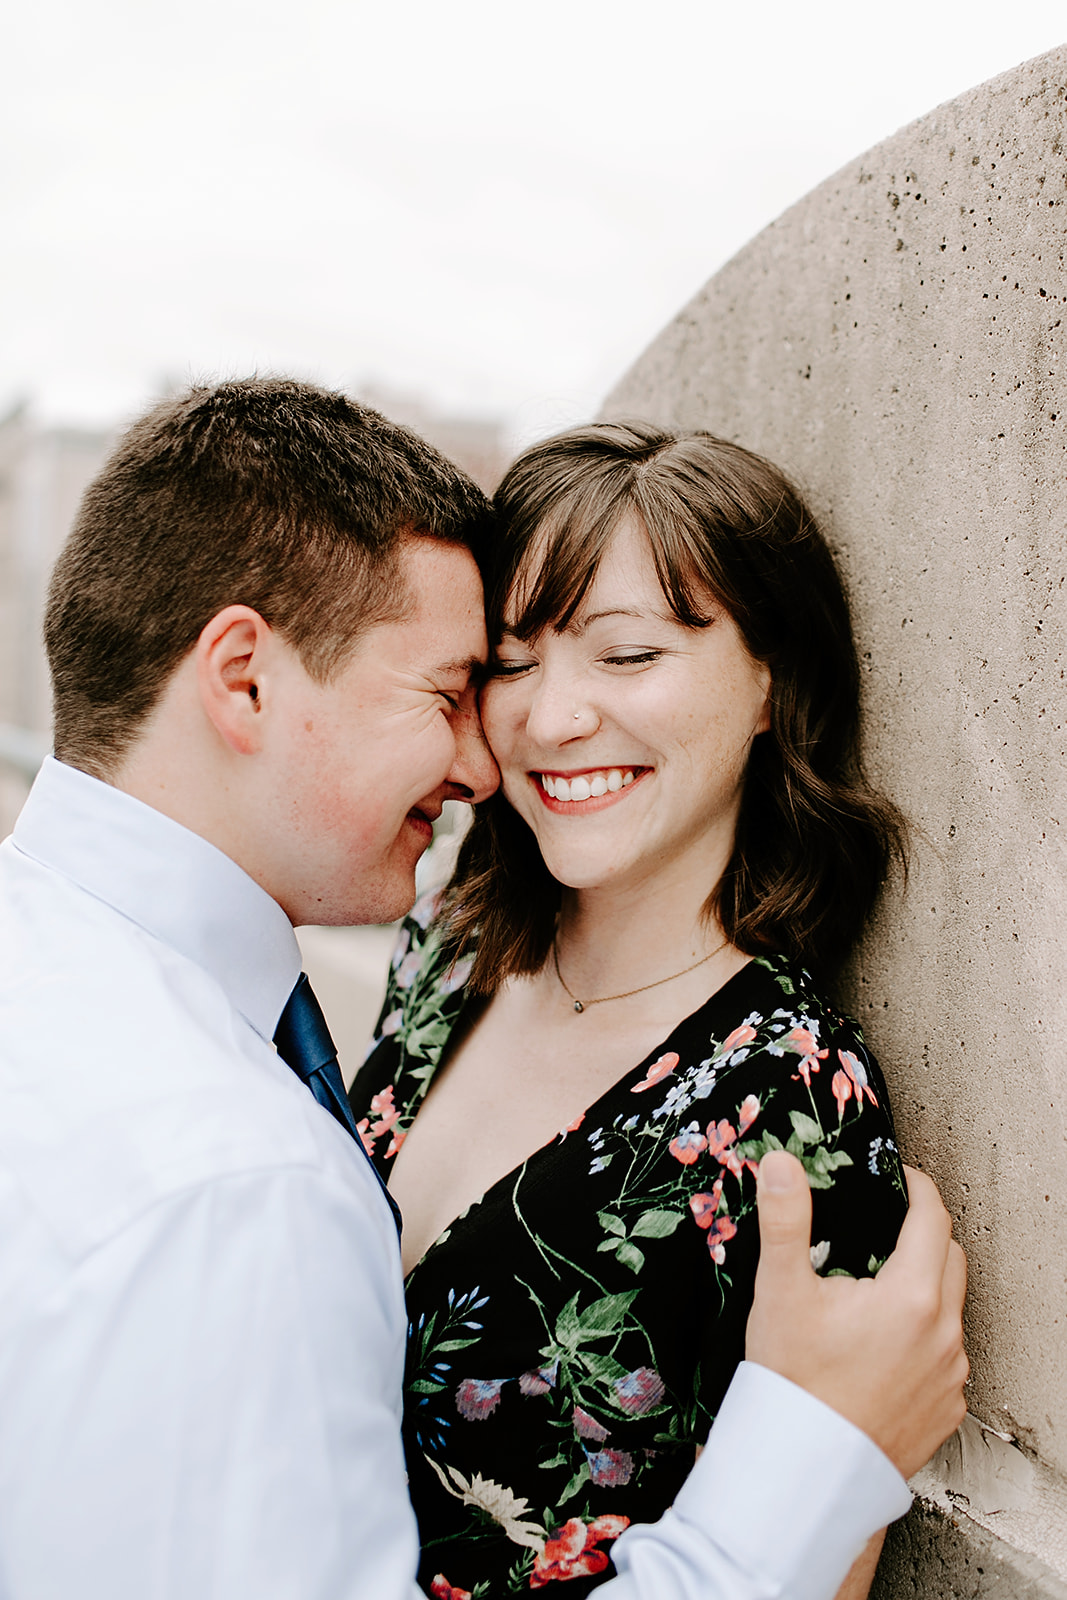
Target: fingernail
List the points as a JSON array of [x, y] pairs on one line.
[[776, 1172]]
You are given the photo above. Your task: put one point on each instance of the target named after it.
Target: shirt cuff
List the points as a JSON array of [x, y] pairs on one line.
[[786, 1490]]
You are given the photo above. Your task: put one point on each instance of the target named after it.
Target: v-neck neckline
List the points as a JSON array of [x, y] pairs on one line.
[[515, 1173]]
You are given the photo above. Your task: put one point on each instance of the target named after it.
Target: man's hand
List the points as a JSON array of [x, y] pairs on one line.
[[885, 1352]]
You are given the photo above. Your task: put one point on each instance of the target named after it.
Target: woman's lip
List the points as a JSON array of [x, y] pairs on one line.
[[582, 808], [581, 772]]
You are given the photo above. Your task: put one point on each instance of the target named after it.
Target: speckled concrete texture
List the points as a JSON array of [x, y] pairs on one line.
[[896, 341], [930, 1554]]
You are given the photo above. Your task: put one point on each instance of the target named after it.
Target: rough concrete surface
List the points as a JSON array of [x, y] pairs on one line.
[[896, 341], [932, 1553]]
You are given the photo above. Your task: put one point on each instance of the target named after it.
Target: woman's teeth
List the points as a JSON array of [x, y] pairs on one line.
[[589, 785]]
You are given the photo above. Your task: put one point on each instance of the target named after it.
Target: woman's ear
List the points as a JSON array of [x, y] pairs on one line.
[[763, 725], [232, 659]]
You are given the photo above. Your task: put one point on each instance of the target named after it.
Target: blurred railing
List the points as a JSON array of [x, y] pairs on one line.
[[22, 750]]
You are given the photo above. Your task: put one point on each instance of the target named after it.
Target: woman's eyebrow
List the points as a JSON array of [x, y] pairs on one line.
[[613, 611]]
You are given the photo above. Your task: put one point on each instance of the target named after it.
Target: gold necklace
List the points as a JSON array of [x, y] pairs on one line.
[[583, 1005]]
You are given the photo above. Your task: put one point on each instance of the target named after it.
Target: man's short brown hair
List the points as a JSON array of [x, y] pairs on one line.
[[261, 492]]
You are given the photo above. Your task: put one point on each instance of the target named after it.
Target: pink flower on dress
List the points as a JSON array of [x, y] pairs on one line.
[[688, 1145], [365, 1136], [539, 1381], [721, 1135], [722, 1230], [607, 1527], [804, 1043], [572, 1127], [640, 1390], [396, 1141], [722, 1138], [408, 970], [441, 1589], [424, 910], [611, 1469], [659, 1069], [841, 1084], [746, 1116], [572, 1552], [587, 1427], [477, 1398], [858, 1073], [742, 1035], [457, 975], [387, 1113], [704, 1206]]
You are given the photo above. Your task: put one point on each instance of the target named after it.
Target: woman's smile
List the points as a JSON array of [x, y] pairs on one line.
[[576, 792]]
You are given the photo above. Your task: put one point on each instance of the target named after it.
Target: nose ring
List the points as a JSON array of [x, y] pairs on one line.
[[577, 716]]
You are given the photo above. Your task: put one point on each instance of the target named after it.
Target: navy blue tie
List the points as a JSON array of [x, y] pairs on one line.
[[304, 1043]]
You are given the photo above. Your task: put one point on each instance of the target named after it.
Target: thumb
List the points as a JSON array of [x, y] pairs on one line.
[[784, 1201]]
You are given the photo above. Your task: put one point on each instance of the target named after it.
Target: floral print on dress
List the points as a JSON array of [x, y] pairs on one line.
[[573, 1332]]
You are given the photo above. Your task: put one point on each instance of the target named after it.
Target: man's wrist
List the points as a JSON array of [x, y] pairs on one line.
[[789, 1486]]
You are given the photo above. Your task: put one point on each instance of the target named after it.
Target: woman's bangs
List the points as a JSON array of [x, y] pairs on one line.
[[555, 570]]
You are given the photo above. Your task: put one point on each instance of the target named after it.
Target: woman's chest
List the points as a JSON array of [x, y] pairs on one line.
[[509, 1085]]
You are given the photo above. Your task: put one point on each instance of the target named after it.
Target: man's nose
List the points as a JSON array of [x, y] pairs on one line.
[[474, 771]]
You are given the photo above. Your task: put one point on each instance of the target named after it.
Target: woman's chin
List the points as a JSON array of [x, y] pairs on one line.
[[579, 871]]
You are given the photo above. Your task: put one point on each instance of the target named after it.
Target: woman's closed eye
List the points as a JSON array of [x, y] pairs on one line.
[[508, 668], [632, 658]]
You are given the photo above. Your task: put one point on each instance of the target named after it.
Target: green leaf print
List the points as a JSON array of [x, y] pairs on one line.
[[603, 1316], [605, 1368], [656, 1224], [630, 1256], [581, 1476], [806, 1128], [611, 1224]]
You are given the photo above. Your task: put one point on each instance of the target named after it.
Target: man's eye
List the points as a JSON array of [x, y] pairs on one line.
[[451, 700]]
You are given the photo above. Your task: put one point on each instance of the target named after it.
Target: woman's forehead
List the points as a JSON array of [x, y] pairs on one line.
[[616, 573], [566, 558]]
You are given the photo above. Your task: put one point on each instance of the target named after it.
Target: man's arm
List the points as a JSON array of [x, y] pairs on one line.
[[209, 1406], [885, 1352], [847, 1380]]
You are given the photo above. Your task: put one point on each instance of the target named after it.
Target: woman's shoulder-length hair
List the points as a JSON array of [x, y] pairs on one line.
[[814, 840]]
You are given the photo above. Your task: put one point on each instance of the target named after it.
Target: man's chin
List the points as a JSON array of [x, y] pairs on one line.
[[373, 904]]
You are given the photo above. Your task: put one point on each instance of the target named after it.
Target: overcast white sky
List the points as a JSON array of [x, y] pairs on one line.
[[493, 205]]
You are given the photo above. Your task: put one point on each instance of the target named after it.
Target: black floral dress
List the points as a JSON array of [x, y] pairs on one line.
[[573, 1332]]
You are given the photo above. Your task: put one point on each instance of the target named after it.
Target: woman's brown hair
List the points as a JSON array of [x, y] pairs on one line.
[[814, 841]]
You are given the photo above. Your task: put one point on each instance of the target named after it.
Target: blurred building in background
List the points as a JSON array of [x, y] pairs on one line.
[[478, 444], [43, 474]]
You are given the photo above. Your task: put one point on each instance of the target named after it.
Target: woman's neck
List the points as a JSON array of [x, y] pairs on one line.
[[609, 941]]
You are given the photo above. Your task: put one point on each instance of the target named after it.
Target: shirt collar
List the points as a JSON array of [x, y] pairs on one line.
[[167, 880]]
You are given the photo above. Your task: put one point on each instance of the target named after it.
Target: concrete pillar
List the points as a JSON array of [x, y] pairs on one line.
[[896, 341]]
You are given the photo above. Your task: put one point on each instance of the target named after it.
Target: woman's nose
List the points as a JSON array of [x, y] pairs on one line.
[[560, 711]]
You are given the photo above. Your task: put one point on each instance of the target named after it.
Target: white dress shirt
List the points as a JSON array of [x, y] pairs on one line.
[[201, 1308]]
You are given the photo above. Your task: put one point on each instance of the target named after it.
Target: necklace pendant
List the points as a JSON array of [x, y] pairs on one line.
[[578, 1006]]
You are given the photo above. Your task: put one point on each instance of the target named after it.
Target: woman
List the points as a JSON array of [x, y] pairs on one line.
[[582, 1060]]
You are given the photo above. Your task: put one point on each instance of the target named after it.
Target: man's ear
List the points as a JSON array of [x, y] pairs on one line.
[[232, 657]]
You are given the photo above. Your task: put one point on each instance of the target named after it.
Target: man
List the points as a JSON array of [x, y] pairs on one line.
[[264, 635]]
